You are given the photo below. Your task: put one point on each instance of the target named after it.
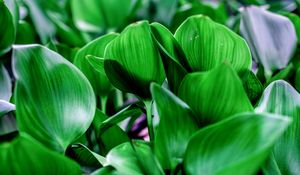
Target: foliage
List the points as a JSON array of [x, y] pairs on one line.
[[149, 87]]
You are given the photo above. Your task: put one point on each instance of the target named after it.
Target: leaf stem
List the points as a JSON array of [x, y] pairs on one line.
[[103, 101], [148, 105]]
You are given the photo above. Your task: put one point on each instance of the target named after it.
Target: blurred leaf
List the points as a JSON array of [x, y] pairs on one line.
[[99, 16], [208, 44], [68, 35], [296, 22], [25, 33], [253, 87], [138, 160], [165, 10], [130, 69], [109, 138], [24, 155], [297, 80], [238, 145], [13, 7], [8, 29], [99, 81], [284, 74], [8, 126], [272, 38], [214, 95], [43, 25], [174, 60], [6, 107], [196, 8], [84, 156], [5, 84], [281, 98], [176, 126], [54, 101]]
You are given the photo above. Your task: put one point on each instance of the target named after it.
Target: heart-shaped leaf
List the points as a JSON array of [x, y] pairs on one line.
[[176, 126], [238, 145], [208, 44], [96, 48], [8, 30], [24, 155], [271, 37], [281, 98], [101, 15], [5, 84], [54, 101], [132, 60], [136, 159], [214, 95]]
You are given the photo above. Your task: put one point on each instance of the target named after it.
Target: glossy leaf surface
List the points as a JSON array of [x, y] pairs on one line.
[[208, 44], [50, 107], [281, 98], [138, 160], [8, 33], [176, 125], [132, 61], [87, 54], [222, 148], [271, 37], [24, 155], [214, 95]]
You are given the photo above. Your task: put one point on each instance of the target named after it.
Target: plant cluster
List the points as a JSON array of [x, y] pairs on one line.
[[208, 89]]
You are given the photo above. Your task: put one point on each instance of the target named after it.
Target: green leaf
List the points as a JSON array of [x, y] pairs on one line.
[[8, 31], [284, 74], [253, 87], [208, 44], [5, 84], [297, 80], [271, 37], [281, 98], [100, 15], [25, 33], [214, 95], [129, 111], [13, 7], [108, 170], [176, 126], [135, 159], [174, 60], [165, 10], [238, 145], [6, 107], [24, 155], [97, 65], [54, 101], [96, 48], [109, 138], [45, 28], [84, 156], [295, 19], [190, 9], [130, 69]]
